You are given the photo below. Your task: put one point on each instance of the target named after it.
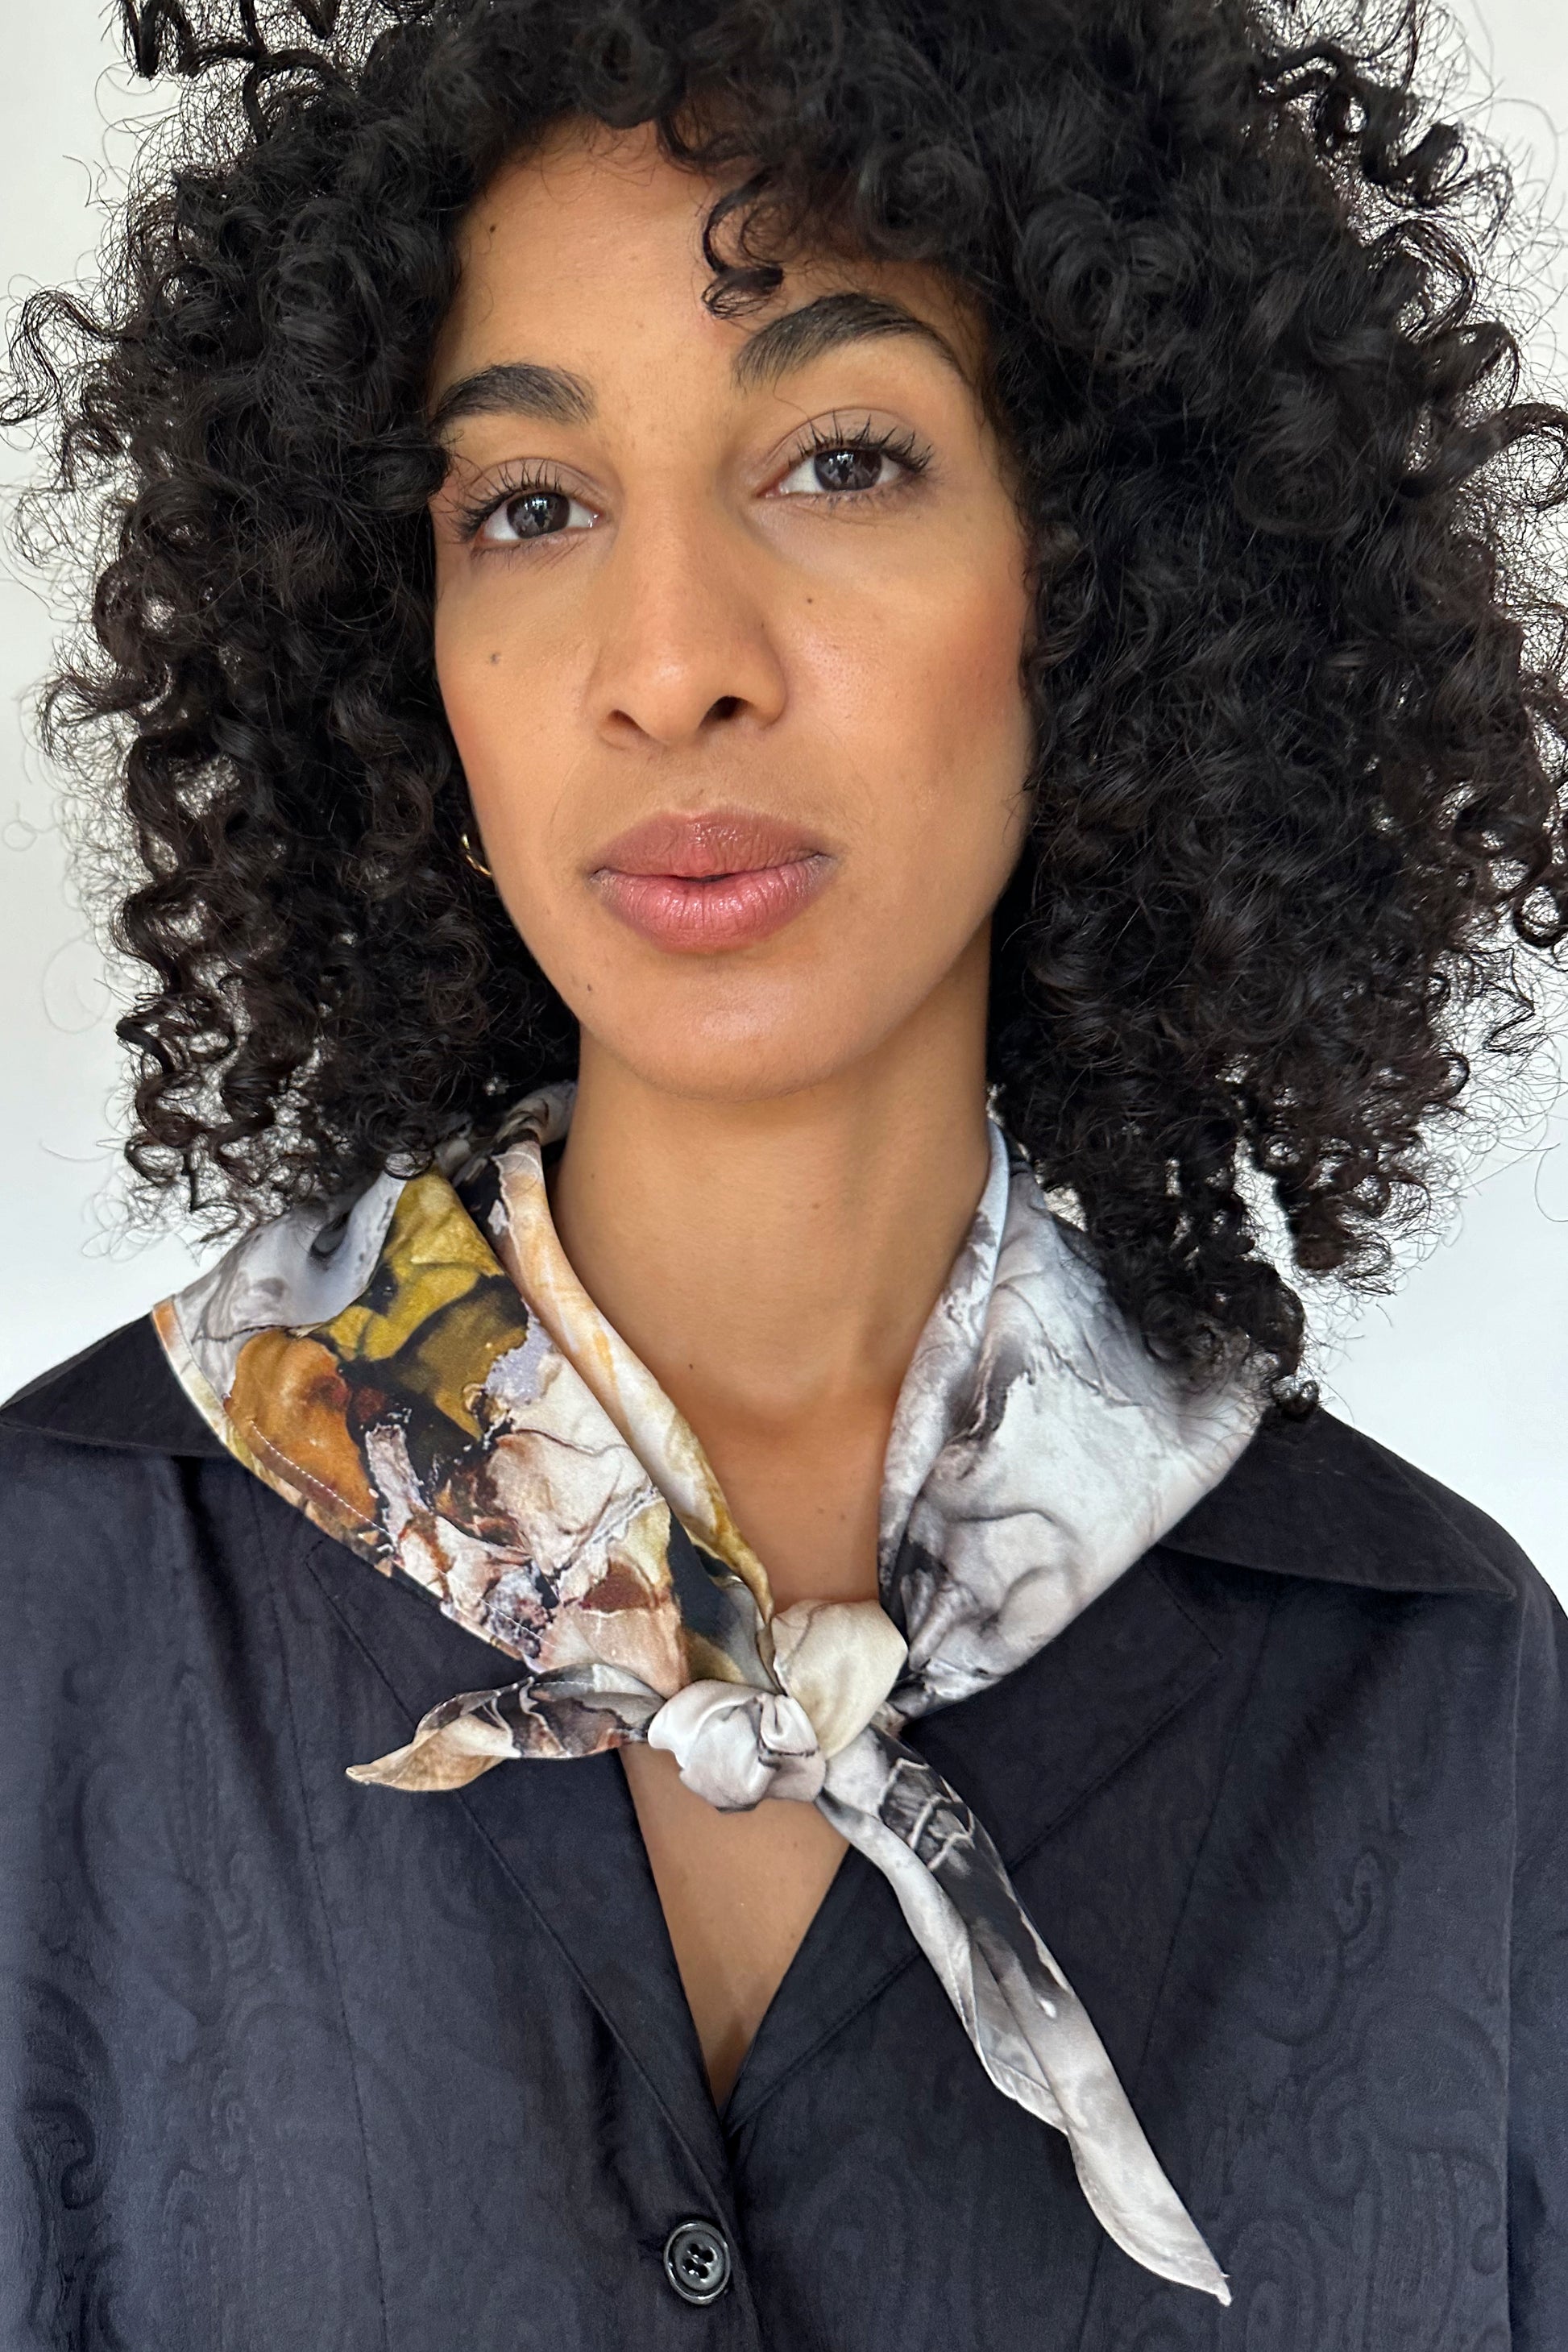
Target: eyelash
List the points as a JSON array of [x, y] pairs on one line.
[[471, 520], [901, 446]]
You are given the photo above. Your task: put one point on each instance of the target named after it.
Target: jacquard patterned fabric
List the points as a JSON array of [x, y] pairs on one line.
[[424, 1376]]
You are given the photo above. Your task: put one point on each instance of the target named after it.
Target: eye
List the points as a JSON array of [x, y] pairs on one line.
[[838, 469], [536, 512]]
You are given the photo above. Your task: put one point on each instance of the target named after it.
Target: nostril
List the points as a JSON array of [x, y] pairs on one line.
[[727, 707]]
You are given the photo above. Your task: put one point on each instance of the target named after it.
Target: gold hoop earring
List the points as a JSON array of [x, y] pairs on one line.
[[477, 863]]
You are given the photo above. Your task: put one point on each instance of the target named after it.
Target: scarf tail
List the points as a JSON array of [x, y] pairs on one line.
[[1031, 2033]]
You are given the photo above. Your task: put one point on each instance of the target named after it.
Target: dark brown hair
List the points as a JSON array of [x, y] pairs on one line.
[[1297, 672]]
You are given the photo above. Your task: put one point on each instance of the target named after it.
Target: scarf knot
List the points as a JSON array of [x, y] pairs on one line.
[[835, 1661]]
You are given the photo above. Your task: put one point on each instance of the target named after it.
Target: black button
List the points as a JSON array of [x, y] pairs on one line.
[[697, 2261]]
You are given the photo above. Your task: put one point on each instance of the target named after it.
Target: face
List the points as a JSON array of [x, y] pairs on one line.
[[728, 628]]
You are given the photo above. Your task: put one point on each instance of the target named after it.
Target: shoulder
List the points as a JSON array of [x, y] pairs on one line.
[[119, 1395], [1319, 1500], [148, 1595], [117, 1504], [1400, 1604]]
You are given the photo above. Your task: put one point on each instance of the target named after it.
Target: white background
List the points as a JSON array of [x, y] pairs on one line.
[[1465, 1370]]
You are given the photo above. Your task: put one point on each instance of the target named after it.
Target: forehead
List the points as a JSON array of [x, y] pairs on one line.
[[593, 240]]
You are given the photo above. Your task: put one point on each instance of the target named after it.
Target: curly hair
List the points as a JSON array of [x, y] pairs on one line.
[[1297, 677]]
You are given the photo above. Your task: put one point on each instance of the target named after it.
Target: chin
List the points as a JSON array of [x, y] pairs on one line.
[[746, 1052], [763, 1069]]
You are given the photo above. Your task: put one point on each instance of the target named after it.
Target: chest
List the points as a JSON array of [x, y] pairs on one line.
[[738, 1892]]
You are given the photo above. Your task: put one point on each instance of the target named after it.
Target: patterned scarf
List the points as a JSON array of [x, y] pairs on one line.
[[425, 1377]]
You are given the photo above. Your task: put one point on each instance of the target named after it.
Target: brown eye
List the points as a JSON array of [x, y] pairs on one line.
[[849, 469], [838, 469], [538, 513]]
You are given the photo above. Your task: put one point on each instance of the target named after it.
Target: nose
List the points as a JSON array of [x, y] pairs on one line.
[[684, 649]]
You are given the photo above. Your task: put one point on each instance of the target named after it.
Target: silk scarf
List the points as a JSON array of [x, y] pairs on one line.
[[425, 1377]]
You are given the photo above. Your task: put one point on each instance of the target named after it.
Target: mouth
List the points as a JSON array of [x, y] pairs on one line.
[[701, 884]]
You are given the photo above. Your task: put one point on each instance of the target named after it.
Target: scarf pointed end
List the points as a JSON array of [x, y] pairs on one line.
[[1192, 2266], [448, 1758], [1209, 2279]]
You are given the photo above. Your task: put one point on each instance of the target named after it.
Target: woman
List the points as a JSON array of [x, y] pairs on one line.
[[933, 605]]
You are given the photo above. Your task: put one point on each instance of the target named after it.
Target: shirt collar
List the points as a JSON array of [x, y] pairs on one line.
[[1317, 1498], [1313, 1498]]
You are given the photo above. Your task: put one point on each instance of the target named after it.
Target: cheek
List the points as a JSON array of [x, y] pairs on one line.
[[943, 713], [505, 702], [974, 680], [473, 670], [468, 680]]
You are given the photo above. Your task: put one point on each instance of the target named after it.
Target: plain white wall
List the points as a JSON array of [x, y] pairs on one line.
[[1465, 1370]]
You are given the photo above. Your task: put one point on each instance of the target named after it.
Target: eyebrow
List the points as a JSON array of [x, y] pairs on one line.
[[553, 395], [797, 337], [516, 388]]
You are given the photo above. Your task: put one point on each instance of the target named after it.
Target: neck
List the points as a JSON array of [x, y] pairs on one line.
[[773, 1262]]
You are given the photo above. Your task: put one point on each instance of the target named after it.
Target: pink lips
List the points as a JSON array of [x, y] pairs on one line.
[[701, 883]]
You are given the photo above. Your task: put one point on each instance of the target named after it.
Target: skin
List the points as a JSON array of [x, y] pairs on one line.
[[777, 1146]]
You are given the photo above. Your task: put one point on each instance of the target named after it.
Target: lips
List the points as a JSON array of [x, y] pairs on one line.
[[700, 884]]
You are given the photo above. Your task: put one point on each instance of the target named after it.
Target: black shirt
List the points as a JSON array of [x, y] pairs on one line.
[[292, 2064]]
